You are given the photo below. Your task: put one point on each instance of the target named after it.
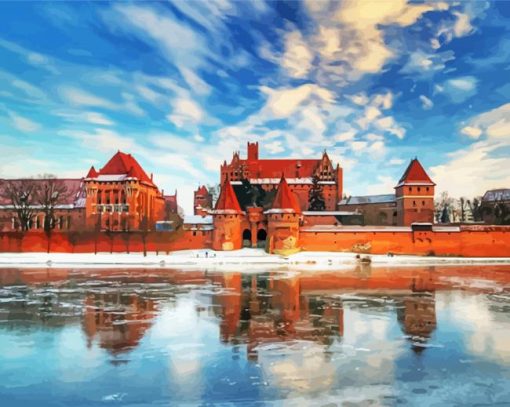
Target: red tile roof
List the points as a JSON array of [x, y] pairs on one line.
[[122, 163], [92, 173], [285, 198], [415, 173], [202, 190], [273, 168], [227, 199]]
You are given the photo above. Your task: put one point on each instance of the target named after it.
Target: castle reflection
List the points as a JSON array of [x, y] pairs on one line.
[[116, 308]]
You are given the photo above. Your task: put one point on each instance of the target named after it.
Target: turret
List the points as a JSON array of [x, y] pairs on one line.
[[227, 218], [253, 151], [283, 221], [415, 196]]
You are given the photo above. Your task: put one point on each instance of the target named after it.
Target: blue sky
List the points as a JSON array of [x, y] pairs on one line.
[[183, 84]]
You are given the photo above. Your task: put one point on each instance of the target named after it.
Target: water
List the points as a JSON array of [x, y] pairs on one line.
[[368, 336]]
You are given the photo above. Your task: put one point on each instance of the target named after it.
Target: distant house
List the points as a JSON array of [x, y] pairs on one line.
[[495, 206], [376, 209]]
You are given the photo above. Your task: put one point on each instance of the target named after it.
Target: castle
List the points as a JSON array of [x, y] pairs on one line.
[[257, 208], [282, 205]]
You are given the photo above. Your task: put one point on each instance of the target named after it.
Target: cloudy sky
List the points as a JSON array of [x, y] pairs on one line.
[[182, 84]]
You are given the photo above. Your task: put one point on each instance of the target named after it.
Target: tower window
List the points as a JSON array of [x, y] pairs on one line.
[[414, 203], [419, 189], [422, 203]]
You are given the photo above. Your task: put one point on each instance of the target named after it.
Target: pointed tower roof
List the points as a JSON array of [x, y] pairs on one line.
[[285, 199], [92, 173], [202, 190], [415, 174], [227, 201], [122, 163]]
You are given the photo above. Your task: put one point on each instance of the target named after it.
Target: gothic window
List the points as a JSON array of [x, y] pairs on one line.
[[414, 203], [419, 189]]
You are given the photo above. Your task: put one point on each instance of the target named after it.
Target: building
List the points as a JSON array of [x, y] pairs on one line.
[[202, 200], [120, 196], [413, 201], [495, 206], [254, 211], [264, 175], [415, 196], [376, 209]]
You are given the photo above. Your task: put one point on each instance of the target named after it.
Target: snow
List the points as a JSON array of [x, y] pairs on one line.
[[255, 259]]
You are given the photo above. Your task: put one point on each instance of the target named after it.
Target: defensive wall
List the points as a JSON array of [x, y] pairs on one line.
[[463, 241], [104, 242]]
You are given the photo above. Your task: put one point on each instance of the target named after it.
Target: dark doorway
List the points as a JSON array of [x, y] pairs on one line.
[[246, 238], [261, 238]]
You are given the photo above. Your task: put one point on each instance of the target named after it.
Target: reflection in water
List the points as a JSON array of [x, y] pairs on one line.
[[370, 335]]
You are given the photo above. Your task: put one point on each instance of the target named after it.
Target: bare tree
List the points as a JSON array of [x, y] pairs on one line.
[[21, 194], [476, 208], [443, 208], [214, 190], [49, 193]]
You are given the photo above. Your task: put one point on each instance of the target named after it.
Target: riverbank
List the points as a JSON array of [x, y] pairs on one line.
[[244, 258]]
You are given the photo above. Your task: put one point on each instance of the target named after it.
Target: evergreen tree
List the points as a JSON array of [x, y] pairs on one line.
[[315, 197]]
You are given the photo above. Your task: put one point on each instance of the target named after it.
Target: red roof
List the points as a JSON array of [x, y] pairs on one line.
[[415, 173], [273, 168], [227, 199], [285, 198], [122, 163], [202, 190], [92, 173]]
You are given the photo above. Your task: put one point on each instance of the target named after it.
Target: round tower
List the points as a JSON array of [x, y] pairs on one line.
[[227, 219], [283, 221]]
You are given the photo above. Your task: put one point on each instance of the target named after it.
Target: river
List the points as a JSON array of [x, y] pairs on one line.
[[367, 336]]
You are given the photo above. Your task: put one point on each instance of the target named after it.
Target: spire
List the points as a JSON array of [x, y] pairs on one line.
[[227, 201], [92, 173], [415, 173], [285, 198]]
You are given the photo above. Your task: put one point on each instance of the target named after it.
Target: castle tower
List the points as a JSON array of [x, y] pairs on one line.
[[415, 196], [227, 218], [253, 151], [283, 221], [202, 201]]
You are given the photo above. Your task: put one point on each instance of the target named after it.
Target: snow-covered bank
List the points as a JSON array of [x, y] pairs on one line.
[[239, 260]]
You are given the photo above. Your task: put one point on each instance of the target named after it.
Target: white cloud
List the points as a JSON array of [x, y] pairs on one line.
[[185, 111], [422, 62], [97, 118], [297, 58], [274, 147], [458, 89], [384, 185], [470, 131], [472, 171], [345, 136], [283, 102], [22, 123], [493, 124], [79, 97], [426, 103], [396, 161]]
